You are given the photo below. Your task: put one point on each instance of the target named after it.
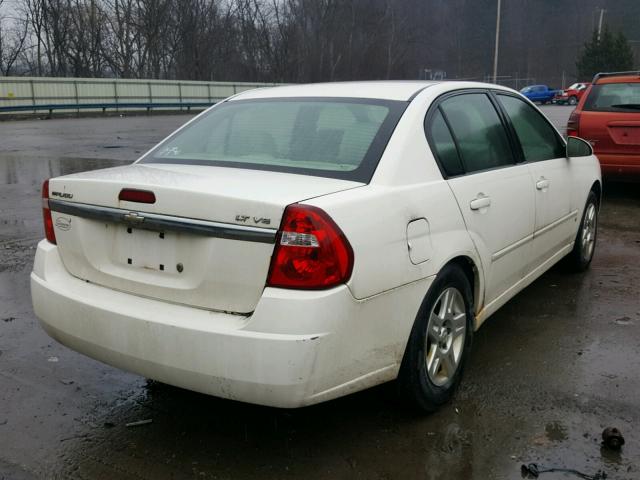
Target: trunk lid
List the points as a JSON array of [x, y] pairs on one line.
[[206, 242]]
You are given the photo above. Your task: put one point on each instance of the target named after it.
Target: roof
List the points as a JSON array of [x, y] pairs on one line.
[[617, 77], [387, 90]]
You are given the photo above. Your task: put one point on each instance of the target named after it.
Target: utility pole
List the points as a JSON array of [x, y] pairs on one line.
[[497, 46], [602, 12]]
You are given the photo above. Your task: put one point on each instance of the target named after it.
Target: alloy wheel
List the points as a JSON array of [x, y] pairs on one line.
[[445, 337], [589, 231]]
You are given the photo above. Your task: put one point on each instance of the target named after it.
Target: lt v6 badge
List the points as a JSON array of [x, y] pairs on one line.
[[256, 220]]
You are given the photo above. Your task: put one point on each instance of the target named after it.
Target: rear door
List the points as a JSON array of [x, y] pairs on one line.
[[495, 195], [544, 153]]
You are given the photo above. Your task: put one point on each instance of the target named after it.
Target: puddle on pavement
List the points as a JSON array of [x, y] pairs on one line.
[[33, 171]]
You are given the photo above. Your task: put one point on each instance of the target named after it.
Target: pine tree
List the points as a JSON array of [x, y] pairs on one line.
[[609, 53]]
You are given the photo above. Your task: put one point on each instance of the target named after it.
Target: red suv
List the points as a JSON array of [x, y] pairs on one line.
[[608, 116]]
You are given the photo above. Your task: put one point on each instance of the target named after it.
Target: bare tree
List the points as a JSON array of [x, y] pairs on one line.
[[300, 40], [123, 37], [86, 36], [13, 35]]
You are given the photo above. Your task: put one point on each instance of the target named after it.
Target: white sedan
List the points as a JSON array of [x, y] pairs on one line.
[[295, 244]]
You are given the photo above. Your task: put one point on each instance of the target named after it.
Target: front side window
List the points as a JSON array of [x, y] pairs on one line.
[[339, 138], [614, 97], [479, 133], [538, 139]]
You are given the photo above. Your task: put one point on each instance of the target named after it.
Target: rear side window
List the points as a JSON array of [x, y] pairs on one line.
[[538, 139], [478, 131], [614, 97], [444, 146]]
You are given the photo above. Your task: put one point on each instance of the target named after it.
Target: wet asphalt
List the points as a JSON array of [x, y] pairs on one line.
[[548, 372]]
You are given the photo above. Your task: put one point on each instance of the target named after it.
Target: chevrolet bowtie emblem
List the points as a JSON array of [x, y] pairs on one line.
[[133, 218]]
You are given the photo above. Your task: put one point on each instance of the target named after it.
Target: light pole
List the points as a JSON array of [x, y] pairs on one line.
[[602, 12], [495, 52]]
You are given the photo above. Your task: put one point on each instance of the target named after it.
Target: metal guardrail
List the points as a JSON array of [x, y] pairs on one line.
[[43, 94], [105, 106]]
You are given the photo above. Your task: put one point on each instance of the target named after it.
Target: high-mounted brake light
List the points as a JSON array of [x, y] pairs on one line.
[[573, 125], [311, 251], [46, 214], [135, 195]]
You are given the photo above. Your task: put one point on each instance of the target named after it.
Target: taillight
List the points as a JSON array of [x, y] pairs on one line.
[[46, 214], [573, 125], [311, 251]]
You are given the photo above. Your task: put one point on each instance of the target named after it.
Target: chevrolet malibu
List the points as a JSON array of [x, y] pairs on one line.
[[295, 244]]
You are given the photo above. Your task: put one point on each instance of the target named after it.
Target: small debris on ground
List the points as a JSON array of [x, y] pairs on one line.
[[108, 424], [533, 470], [139, 423], [612, 438], [623, 321], [52, 359], [66, 382], [8, 319]]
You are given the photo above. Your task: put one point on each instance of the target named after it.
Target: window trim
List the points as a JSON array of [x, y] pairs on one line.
[[453, 138], [518, 145], [435, 106]]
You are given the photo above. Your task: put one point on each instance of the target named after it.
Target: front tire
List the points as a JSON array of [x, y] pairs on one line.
[[585, 244], [573, 100], [440, 342]]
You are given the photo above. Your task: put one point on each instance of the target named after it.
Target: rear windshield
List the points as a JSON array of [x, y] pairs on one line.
[[614, 97], [338, 138]]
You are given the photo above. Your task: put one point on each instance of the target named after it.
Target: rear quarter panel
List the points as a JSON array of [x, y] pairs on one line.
[[375, 220]]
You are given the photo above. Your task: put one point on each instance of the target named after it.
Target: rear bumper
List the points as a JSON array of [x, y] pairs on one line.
[[620, 167], [324, 353]]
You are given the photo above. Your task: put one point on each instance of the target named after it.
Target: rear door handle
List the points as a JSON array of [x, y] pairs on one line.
[[481, 201], [542, 184]]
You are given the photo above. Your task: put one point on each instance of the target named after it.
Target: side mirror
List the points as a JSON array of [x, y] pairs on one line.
[[577, 147]]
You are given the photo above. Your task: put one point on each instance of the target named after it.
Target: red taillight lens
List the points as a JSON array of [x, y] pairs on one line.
[[46, 214], [311, 251], [573, 125], [135, 195]]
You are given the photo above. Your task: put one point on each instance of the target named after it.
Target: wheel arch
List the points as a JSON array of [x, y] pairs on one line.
[[597, 189], [473, 274]]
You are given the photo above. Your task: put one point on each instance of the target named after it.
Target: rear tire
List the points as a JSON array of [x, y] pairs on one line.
[[573, 100], [585, 244], [440, 342]]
